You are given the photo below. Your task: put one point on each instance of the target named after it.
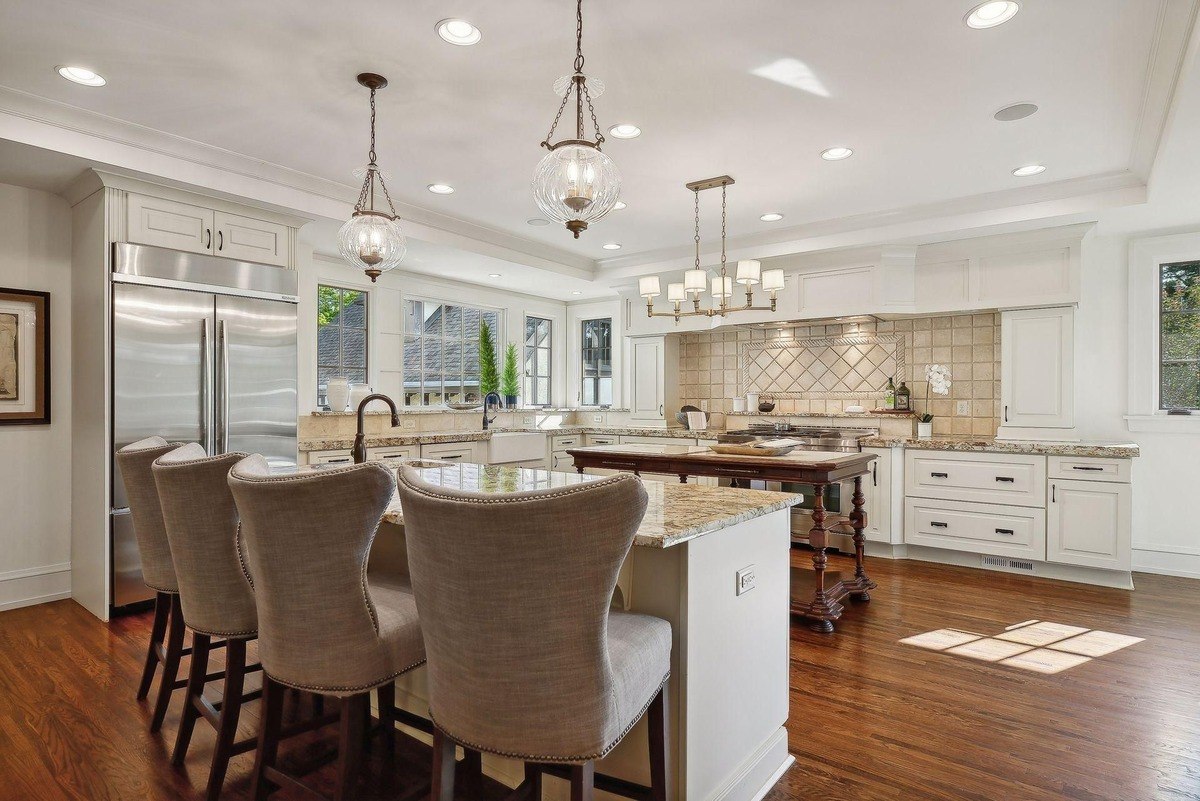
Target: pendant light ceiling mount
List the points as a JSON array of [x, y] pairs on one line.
[[575, 183], [371, 239]]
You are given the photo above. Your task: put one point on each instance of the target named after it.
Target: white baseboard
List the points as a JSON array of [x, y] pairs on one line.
[[35, 585], [1167, 561]]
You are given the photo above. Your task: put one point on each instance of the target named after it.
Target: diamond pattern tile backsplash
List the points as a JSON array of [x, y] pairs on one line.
[[821, 369]]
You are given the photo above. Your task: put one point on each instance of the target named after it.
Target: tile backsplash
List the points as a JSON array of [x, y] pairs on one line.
[[712, 367]]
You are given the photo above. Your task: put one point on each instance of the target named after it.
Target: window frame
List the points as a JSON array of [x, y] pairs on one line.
[[323, 402], [498, 333], [1162, 335], [584, 378], [528, 381]]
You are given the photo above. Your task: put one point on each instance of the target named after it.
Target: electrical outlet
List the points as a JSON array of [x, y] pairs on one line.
[[704, 405], [963, 409], [409, 424], [745, 580], [597, 418], [527, 421]]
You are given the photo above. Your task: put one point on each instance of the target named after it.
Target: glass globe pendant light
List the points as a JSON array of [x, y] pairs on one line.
[[575, 183], [371, 240]]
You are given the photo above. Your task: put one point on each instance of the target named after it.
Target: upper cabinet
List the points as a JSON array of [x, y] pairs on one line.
[[653, 379], [182, 226], [1037, 372]]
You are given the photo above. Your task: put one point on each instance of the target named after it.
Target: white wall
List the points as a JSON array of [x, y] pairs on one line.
[[35, 475], [386, 308]]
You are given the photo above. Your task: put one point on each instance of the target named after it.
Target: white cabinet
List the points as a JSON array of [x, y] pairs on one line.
[[877, 488], [1006, 478], [1017, 531], [393, 452], [1089, 523], [1037, 372], [451, 451], [653, 374], [184, 226], [329, 457], [169, 224]]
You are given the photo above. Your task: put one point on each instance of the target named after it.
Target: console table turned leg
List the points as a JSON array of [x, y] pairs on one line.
[[858, 521], [821, 613]]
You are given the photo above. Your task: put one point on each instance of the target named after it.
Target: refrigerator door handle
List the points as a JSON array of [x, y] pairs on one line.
[[223, 377], [206, 399]]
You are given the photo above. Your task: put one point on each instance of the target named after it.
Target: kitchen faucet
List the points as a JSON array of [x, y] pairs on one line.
[[359, 451], [487, 401]]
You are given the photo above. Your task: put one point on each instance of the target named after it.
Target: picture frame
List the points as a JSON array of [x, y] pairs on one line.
[[24, 357]]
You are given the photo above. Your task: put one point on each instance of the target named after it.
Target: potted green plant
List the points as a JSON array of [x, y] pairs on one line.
[[489, 376], [510, 382]]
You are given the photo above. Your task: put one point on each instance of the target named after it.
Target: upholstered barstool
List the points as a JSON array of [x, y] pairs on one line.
[[158, 571], [323, 626], [526, 659], [201, 522]]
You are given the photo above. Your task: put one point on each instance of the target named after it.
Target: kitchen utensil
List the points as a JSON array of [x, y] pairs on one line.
[[766, 407]]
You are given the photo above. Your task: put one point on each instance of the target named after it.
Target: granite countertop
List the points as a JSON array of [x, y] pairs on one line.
[[403, 410], [1113, 450], [675, 513], [801, 458], [432, 438], [871, 413]]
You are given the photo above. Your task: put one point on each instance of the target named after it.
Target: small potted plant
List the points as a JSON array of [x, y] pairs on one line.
[[937, 381], [510, 382]]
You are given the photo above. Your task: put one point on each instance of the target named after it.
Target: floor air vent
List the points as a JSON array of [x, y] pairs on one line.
[[1004, 563]]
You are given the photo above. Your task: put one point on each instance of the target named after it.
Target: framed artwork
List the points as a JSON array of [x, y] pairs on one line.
[[24, 357]]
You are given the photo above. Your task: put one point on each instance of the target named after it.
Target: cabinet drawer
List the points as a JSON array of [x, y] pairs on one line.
[[657, 441], [451, 452], [984, 478], [330, 457], [249, 239], [606, 439], [169, 224], [566, 441], [976, 527], [1089, 468], [394, 452]]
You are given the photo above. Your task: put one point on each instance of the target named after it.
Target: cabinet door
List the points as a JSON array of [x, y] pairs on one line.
[[877, 487], [1037, 367], [648, 389], [248, 239], [168, 224], [1089, 523]]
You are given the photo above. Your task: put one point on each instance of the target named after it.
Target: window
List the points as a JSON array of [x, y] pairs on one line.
[[537, 361], [1179, 335], [441, 352], [597, 363], [341, 337]]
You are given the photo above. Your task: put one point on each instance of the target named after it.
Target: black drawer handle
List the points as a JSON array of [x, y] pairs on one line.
[[936, 524], [939, 475], [1077, 467], [1004, 531], [1006, 479]]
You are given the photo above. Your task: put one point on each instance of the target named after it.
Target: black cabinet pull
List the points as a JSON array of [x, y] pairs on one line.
[[936, 524], [1004, 531], [1006, 479], [1053, 494], [1006, 412], [1078, 467], [939, 475]]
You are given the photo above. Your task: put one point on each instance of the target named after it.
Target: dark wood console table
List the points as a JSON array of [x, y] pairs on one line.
[[816, 595]]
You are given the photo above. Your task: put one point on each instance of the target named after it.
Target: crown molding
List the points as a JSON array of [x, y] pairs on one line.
[[1175, 45]]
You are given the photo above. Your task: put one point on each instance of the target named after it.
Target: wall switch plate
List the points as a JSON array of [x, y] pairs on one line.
[[704, 405], [745, 580], [963, 409], [527, 421], [597, 418], [408, 424]]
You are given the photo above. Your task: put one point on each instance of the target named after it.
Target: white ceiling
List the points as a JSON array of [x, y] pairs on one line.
[[907, 85]]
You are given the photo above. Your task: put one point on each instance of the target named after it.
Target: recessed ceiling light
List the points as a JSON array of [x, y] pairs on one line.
[[1028, 170], [80, 75], [992, 13], [576, 292], [441, 189], [1017, 111], [837, 153], [771, 216], [612, 246], [625, 130], [620, 204], [538, 221], [493, 275], [458, 32]]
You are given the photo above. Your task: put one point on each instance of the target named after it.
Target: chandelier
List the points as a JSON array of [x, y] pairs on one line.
[[371, 240], [695, 281], [575, 183]]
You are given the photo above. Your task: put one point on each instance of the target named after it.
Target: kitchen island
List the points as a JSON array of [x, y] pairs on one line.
[[714, 562]]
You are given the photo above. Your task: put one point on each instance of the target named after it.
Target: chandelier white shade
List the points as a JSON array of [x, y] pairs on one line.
[[749, 272], [695, 282], [722, 287], [676, 293], [772, 281], [648, 287]]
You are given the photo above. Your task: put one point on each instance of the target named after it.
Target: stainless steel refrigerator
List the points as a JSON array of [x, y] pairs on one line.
[[203, 350]]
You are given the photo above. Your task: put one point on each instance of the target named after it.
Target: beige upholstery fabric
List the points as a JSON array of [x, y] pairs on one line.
[[136, 459], [321, 625], [525, 657], [202, 527]]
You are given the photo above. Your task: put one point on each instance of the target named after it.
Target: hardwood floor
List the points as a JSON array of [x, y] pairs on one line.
[[870, 719]]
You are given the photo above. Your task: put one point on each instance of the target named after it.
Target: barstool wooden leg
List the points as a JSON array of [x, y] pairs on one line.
[[268, 736], [162, 611], [533, 779], [170, 674], [443, 767], [660, 741], [473, 767], [583, 778], [231, 708], [194, 692], [387, 715], [351, 725]]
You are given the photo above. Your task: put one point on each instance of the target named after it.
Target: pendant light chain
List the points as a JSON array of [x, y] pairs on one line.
[[578, 85], [366, 196], [697, 194]]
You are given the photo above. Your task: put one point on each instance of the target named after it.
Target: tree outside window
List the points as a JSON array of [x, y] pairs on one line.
[[441, 352], [341, 337], [1179, 336]]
